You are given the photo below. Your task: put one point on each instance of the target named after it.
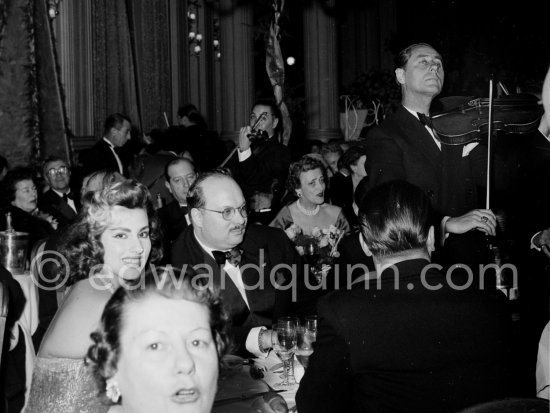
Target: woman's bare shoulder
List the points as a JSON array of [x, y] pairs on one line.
[[69, 333]]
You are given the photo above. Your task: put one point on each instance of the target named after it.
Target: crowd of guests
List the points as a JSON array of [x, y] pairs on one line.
[[183, 249]]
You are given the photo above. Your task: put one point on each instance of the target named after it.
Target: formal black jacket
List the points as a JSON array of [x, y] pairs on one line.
[[265, 170], [51, 203], [100, 157], [402, 148], [408, 349], [266, 302], [172, 218]]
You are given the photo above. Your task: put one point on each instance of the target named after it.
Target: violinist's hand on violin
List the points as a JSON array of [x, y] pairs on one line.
[[480, 219], [244, 142], [542, 240]]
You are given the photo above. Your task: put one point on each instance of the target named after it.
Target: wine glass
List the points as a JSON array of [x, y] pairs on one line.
[[311, 324], [307, 335], [285, 344]]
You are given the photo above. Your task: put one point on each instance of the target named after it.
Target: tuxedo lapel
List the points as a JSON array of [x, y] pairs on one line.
[[418, 137], [203, 263], [256, 272], [59, 204]]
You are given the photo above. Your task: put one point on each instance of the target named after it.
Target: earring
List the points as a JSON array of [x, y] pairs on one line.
[[299, 194], [111, 390]]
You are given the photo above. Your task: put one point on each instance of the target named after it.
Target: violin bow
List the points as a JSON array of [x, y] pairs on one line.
[[489, 135]]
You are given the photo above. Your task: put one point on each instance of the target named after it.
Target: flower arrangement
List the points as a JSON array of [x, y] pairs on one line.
[[319, 249]]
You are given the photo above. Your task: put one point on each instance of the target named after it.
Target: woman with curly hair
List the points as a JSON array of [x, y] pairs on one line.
[[307, 181], [158, 348], [115, 235]]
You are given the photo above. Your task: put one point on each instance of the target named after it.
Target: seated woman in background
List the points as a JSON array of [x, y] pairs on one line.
[[307, 180], [21, 194], [158, 347], [110, 243]]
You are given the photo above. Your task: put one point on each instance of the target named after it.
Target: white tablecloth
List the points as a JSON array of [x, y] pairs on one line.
[[29, 318]]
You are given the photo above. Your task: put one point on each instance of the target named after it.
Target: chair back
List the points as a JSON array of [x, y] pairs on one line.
[[517, 405], [4, 301]]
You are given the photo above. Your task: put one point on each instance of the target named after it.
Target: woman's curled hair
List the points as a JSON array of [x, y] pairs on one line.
[[103, 355], [82, 247], [304, 164]]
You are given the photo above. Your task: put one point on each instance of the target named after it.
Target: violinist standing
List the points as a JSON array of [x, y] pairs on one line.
[[263, 161], [405, 147]]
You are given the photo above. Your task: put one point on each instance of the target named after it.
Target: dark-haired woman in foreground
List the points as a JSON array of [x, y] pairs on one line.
[[158, 347]]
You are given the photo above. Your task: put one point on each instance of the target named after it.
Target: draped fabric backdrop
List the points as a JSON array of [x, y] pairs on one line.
[[32, 116], [51, 114], [14, 61], [131, 58]]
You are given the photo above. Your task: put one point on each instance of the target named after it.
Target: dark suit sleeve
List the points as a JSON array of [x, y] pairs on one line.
[[255, 171], [326, 386], [384, 158], [284, 297]]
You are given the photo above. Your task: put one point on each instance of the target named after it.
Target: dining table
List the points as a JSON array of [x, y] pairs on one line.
[[245, 384]]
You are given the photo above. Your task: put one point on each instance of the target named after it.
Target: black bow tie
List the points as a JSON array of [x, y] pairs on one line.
[[233, 256], [425, 120], [68, 196]]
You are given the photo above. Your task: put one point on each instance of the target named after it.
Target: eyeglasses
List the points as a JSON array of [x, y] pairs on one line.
[[229, 212], [59, 171]]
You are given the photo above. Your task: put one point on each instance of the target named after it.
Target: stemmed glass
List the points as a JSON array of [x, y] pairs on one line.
[[307, 334], [285, 344]]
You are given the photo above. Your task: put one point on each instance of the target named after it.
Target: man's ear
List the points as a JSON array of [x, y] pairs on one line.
[[196, 217], [167, 185], [400, 75], [275, 123], [430, 242]]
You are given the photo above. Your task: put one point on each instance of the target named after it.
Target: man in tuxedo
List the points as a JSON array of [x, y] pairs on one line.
[[405, 147], [244, 263], [58, 201], [106, 154], [409, 340], [179, 175], [263, 162]]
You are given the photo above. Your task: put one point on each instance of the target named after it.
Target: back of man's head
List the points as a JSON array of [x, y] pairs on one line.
[[395, 217], [114, 120]]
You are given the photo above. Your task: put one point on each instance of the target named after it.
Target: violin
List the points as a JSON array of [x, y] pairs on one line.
[[255, 135], [470, 121], [258, 135]]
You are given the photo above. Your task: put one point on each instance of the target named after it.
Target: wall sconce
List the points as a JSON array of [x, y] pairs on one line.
[[53, 8], [195, 38]]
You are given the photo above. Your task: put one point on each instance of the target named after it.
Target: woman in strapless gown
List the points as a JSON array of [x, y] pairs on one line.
[[109, 245]]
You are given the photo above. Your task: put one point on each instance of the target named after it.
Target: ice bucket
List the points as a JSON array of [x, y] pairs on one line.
[[13, 250]]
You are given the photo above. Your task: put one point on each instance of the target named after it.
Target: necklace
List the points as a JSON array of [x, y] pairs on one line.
[[308, 212]]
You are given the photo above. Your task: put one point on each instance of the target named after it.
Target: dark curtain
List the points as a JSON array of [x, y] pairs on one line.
[[51, 113], [131, 57], [114, 80], [151, 34]]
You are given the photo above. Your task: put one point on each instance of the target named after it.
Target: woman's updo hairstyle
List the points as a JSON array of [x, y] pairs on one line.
[[304, 164]]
